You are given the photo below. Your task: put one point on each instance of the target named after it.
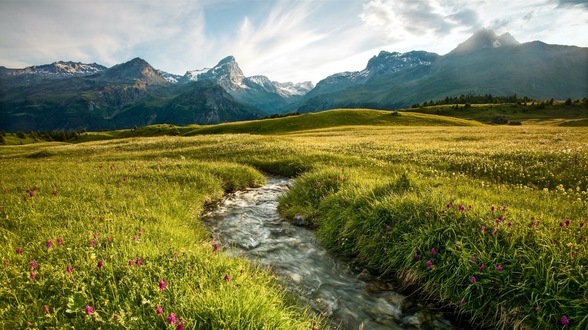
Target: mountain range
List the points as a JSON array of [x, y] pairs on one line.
[[72, 95]]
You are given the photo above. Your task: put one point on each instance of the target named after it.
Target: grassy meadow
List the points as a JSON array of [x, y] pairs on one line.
[[488, 220]]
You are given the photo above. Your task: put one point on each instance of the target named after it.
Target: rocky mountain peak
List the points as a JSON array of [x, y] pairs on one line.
[[485, 38], [137, 70]]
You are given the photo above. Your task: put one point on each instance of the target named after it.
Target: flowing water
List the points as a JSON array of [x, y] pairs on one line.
[[248, 224]]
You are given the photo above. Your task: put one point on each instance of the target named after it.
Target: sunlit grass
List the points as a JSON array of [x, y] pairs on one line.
[[513, 199]]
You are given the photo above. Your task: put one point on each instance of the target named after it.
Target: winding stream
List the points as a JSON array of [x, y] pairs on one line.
[[248, 224]]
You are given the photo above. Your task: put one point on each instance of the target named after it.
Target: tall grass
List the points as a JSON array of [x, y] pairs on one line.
[[118, 244]]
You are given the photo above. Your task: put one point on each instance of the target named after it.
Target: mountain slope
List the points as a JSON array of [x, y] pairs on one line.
[[483, 64]]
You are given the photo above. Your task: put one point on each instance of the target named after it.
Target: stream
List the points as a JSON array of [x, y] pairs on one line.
[[248, 224]]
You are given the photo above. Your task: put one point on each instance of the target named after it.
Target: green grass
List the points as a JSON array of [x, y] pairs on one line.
[[375, 191], [107, 216]]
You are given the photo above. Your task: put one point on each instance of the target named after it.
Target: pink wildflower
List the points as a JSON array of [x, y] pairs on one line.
[[473, 279], [33, 265], [227, 278], [429, 263], [45, 309], [162, 285], [171, 318], [69, 269], [59, 241], [499, 268], [433, 251], [89, 310], [158, 310], [32, 275], [100, 264], [19, 250], [565, 321], [49, 243], [215, 247]]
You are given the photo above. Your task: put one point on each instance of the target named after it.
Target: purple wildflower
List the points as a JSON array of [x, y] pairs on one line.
[[33, 265], [433, 251], [19, 250], [158, 310], [89, 310], [215, 247], [162, 285], [171, 318], [59, 241], [499, 268], [227, 278], [415, 257], [472, 259], [100, 264], [32, 275], [69, 269], [429, 263], [139, 261], [49, 243], [565, 321], [482, 267], [45, 309], [388, 228], [473, 279]]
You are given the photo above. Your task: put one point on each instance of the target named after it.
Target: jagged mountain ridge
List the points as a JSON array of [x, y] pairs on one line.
[[126, 95], [483, 64], [258, 91], [72, 95]]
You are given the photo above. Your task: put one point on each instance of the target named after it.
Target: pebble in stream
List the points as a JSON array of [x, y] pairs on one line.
[[249, 223]]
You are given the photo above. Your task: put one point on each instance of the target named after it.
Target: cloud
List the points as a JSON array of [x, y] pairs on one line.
[[580, 3], [406, 19]]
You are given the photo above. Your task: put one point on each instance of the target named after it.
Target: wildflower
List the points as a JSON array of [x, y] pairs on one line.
[[32, 275], [171, 318], [180, 325], [492, 208], [433, 251], [581, 224], [138, 262], [565, 321], [45, 309], [461, 208], [162, 285], [482, 267], [135, 238], [33, 265], [574, 253], [158, 310], [533, 224], [509, 224], [429, 263], [456, 245], [472, 259], [482, 228], [462, 301], [388, 228], [5, 262], [499, 268], [89, 310], [494, 230], [568, 222], [537, 309], [95, 235], [93, 243], [100, 264], [115, 316], [473, 279], [30, 193], [69, 269], [59, 241], [227, 278], [561, 224], [49, 243], [19, 250], [131, 263], [215, 247], [415, 257]]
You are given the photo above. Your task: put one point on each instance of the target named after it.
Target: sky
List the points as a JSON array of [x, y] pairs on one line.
[[283, 40]]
